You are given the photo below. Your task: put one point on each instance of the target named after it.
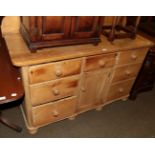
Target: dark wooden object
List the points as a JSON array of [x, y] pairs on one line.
[[147, 25], [48, 31], [146, 78], [10, 82], [119, 31]]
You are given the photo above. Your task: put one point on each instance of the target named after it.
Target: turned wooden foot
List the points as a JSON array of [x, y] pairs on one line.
[[33, 131], [71, 118], [98, 108], [125, 99]]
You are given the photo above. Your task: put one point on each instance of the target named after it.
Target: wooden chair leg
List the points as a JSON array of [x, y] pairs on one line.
[[10, 125]]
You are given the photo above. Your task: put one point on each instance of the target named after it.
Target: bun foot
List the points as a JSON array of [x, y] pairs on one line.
[[33, 131], [98, 108], [125, 99], [71, 118]]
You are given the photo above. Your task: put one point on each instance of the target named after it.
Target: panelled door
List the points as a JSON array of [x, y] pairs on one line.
[[85, 26], [54, 27], [91, 88]]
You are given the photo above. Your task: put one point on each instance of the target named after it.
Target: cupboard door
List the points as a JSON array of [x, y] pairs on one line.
[[85, 27], [91, 88], [54, 27]]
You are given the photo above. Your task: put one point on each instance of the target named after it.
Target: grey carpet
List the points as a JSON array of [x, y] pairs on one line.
[[119, 119]]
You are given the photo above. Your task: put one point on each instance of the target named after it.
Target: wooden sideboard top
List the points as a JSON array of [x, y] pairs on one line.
[[21, 55]]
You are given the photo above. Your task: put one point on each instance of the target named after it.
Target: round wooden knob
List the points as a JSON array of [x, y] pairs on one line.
[[121, 90], [55, 113], [83, 89], [134, 56], [58, 73], [56, 92], [127, 72], [102, 63]]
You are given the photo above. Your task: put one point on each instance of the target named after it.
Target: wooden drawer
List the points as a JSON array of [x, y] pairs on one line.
[[119, 90], [132, 56], [100, 61], [51, 71], [126, 72], [53, 111], [53, 90]]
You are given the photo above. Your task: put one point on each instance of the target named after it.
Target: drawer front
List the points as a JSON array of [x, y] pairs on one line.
[[54, 90], [132, 56], [51, 71], [53, 111], [100, 61], [126, 72], [119, 90]]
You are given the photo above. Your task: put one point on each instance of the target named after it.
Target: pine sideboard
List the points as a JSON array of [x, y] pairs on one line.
[[62, 82]]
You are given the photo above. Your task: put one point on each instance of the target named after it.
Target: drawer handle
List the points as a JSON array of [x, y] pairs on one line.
[[134, 56], [55, 113], [56, 92], [83, 89], [127, 72], [58, 73], [102, 63], [121, 90]]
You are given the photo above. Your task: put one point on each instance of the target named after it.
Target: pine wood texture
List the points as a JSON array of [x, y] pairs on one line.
[[100, 61], [91, 88], [53, 90], [54, 111], [65, 81], [120, 90], [52, 71], [132, 56], [21, 55], [10, 25], [126, 72]]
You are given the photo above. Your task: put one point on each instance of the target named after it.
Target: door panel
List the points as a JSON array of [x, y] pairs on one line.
[[84, 26], [91, 88], [54, 27], [52, 24]]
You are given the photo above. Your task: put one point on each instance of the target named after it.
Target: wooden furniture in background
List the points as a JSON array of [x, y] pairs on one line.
[[10, 82], [62, 82], [147, 25], [118, 30], [47, 31], [146, 78]]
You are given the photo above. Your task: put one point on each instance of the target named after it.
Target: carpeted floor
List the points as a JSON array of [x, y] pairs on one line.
[[119, 119]]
